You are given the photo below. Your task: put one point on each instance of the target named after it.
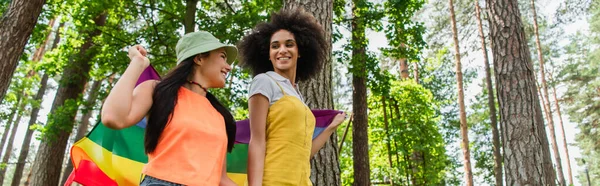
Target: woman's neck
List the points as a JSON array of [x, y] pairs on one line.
[[288, 74], [196, 84]]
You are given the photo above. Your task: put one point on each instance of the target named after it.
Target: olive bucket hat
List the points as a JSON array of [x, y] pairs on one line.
[[195, 43]]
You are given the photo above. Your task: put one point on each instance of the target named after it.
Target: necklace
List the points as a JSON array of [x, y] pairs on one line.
[[196, 83]]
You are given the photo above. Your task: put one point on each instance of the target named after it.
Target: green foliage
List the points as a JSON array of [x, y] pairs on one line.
[[405, 36], [580, 75], [417, 147], [60, 120], [3, 6]]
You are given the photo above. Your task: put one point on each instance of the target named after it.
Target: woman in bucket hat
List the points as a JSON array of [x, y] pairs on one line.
[[188, 131], [288, 49]]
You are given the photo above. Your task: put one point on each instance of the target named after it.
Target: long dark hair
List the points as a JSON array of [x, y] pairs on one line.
[[164, 100]]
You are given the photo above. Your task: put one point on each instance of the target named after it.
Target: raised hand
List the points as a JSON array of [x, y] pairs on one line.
[[138, 54]]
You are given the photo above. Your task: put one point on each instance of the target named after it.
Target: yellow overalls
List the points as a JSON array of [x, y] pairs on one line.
[[290, 126]]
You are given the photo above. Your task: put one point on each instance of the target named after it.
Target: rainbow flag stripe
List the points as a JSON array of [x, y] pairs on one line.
[[107, 157]]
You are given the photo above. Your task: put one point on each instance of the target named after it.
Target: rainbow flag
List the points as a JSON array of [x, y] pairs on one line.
[[107, 157]]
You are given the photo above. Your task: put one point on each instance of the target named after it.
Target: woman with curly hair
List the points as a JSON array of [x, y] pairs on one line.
[[280, 53]]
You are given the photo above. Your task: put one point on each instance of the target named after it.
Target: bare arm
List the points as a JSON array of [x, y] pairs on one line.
[[225, 180], [322, 138], [258, 107], [126, 104]]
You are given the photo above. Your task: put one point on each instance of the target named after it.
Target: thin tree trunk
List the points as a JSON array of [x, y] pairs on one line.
[[525, 144], [561, 177], [416, 73], [85, 122], [16, 180], [325, 166], [539, 89], [190, 16], [11, 139], [407, 170], [562, 130], [75, 75], [464, 128], [16, 25], [360, 136], [33, 116], [9, 123], [491, 103], [387, 134], [397, 118]]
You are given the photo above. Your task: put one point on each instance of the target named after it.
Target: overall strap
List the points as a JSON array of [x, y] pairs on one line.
[[281, 88]]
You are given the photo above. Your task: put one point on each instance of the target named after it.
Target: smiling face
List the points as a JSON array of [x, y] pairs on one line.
[[283, 51], [214, 68]]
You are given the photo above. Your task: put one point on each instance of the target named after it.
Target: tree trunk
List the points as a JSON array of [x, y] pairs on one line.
[[387, 134], [36, 58], [82, 130], [562, 130], [394, 107], [491, 103], [9, 123], [464, 128], [561, 177], [75, 75], [325, 166], [525, 145], [190, 16], [416, 73], [403, 68], [16, 25], [11, 139], [539, 89], [34, 114], [360, 136]]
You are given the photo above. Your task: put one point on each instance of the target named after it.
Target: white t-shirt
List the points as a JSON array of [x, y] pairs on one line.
[[265, 85]]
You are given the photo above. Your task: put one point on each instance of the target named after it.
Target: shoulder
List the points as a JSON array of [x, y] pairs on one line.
[[262, 77], [263, 84]]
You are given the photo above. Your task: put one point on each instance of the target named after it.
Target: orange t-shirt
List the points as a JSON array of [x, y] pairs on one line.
[[192, 147]]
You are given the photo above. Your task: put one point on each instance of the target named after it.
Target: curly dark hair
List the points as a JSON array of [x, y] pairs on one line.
[[309, 35]]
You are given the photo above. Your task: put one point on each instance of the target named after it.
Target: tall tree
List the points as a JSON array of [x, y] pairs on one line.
[[19, 169], [360, 125], [16, 26], [387, 135], [557, 161], [39, 52], [525, 145], [325, 165], [464, 128], [9, 123], [491, 102], [64, 107], [562, 128], [11, 139]]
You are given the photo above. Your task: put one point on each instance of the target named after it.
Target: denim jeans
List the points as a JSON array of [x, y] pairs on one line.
[[152, 181]]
